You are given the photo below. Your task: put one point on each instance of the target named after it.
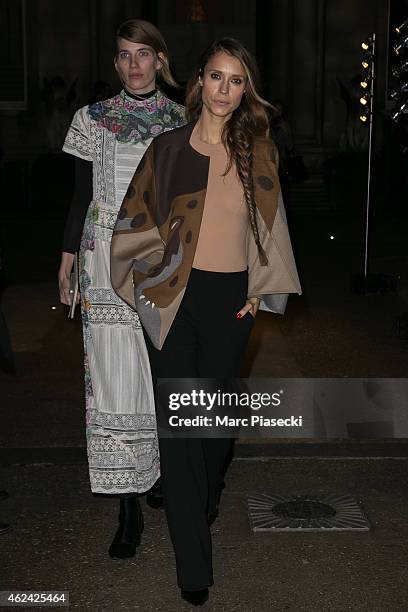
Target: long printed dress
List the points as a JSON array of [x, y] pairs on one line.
[[122, 443]]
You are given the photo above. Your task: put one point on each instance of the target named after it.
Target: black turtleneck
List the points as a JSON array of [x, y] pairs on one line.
[[144, 96], [83, 195]]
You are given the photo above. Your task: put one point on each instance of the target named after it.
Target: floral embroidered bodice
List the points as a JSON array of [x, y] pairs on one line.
[[133, 120]]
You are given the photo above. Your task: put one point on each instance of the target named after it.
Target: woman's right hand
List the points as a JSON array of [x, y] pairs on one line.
[[64, 280]]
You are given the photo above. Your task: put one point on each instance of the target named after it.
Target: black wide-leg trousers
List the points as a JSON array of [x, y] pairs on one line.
[[205, 340]]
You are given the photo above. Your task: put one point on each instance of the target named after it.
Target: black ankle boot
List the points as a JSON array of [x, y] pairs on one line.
[[195, 598], [154, 497], [129, 531]]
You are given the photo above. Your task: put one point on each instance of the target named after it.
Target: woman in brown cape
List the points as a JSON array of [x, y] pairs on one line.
[[200, 242]]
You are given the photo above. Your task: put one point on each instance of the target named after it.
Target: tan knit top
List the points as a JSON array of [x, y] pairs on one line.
[[221, 243]]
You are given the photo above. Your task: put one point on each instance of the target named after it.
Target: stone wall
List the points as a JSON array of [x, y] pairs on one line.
[[303, 46]]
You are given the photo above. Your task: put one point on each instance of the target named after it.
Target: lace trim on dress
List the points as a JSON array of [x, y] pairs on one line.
[[121, 423], [122, 466]]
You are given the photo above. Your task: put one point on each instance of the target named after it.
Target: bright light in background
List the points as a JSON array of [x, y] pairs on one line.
[[402, 27], [53, 308], [331, 237]]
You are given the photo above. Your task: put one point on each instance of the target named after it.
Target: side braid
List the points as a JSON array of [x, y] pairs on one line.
[[242, 146]]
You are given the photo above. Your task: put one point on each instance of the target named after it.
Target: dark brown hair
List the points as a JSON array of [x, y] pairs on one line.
[[248, 121], [144, 32]]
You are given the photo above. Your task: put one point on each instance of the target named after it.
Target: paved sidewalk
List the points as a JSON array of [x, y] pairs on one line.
[[61, 533]]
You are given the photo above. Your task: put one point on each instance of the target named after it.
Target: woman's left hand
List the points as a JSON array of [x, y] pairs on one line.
[[252, 305]]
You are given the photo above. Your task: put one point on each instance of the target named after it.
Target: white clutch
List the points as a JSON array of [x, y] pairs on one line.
[[74, 287]]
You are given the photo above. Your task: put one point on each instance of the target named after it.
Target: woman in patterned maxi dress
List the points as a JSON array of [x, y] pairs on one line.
[[113, 135]]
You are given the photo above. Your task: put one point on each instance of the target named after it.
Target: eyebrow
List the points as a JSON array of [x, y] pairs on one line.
[[137, 50], [241, 76]]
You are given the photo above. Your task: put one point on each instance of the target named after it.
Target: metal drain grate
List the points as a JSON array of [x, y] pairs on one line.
[[305, 512]]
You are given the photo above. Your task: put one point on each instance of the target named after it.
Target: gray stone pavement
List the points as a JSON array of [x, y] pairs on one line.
[[61, 533]]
